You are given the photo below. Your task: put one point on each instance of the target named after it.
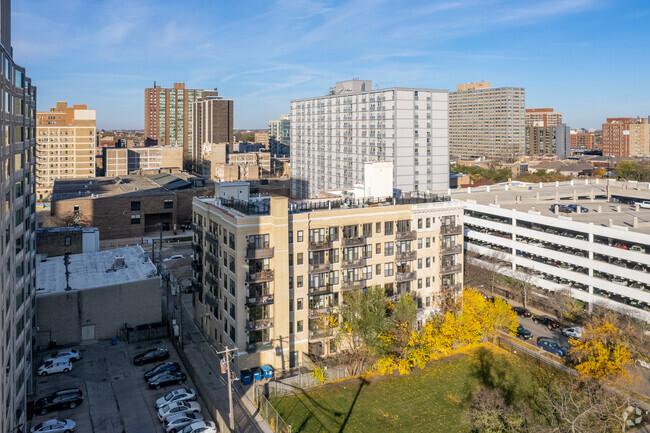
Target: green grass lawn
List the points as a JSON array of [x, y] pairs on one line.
[[429, 400]]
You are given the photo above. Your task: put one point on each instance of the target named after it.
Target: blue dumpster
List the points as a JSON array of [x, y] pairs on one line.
[[257, 374], [114, 341], [267, 371], [246, 377]]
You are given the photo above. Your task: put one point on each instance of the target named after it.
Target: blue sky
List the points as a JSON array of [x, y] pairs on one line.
[[586, 58]]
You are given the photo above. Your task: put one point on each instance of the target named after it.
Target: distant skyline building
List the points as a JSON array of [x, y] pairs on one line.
[[66, 145], [280, 135], [580, 139], [18, 273], [487, 121], [333, 136], [626, 136], [213, 122], [546, 134], [542, 117]]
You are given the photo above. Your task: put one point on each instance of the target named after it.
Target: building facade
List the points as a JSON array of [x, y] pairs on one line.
[[18, 156], [65, 145], [262, 137], [120, 161], [280, 136], [169, 115], [213, 120], [487, 122], [542, 117], [271, 273], [626, 136], [579, 139], [546, 134], [333, 136]]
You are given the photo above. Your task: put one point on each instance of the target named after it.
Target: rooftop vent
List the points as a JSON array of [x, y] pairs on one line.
[[119, 263]]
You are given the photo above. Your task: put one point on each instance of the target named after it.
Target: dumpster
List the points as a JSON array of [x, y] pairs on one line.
[[267, 371], [257, 374], [246, 377], [114, 341]]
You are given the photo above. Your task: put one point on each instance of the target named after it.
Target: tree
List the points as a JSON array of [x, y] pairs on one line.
[[71, 219], [488, 412], [522, 285]]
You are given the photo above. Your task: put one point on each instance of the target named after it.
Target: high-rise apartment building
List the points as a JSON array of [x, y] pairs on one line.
[[333, 136], [626, 136], [65, 145], [169, 115], [546, 134], [213, 120], [486, 121], [270, 274], [280, 135], [18, 274]]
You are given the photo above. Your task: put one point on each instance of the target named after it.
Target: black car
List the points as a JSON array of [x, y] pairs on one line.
[[153, 355], [166, 379], [561, 208], [524, 333], [549, 322], [521, 311], [70, 398], [165, 367]]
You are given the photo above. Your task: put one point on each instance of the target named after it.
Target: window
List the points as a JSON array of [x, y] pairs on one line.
[[428, 283], [290, 237], [389, 248], [419, 243], [378, 269], [367, 230], [377, 227], [135, 205], [68, 241], [290, 259], [299, 258], [428, 262], [334, 234], [389, 269], [388, 228], [378, 248], [299, 327], [135, 219], [334, 277], [367, 251], [419, 283], [168, 204], [299, 281], [299, 304], [428, 242], [428, 222], [419, 223], [76, 209], [299, 235], [419, 263]]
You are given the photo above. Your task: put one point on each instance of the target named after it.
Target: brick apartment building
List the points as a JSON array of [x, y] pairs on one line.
[[585, 140], [626, 136]]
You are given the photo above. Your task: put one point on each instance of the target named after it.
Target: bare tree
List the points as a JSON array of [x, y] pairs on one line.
[[523, 286], [71, 219], [484, 270], [489, 412]]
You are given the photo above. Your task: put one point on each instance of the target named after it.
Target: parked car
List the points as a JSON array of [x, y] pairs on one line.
[[561, 208], [153, 355], [55, 426], [166, 379], [174, 257], [200, 427], [176, 423], [574, 332], [176, 408], [549, 322], [180, 394], [165, 367], [524, 333], [619, 245], [644, 204], [575, 207], [637, 248], [58, 365], [73, 354], [551, 346], [521, 311], [69, 398]]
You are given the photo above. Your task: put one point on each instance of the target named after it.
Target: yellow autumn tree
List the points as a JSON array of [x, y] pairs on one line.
[[601, 352]]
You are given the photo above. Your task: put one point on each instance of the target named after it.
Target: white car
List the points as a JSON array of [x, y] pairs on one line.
[[57, 365], [180, 394], [55, 426], [644, 204], [176, 423], [174, 257], [200, 427], [574, 332], [177, 407], [73, 354]]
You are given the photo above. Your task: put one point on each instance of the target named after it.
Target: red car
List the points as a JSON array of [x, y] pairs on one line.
[[620, 245]]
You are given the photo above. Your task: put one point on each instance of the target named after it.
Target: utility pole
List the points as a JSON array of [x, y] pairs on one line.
[[226, 360]]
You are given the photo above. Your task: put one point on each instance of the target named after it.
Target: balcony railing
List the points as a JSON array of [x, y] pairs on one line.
[[196, 285], [259, 324], [210, 279], [321, 290], [451, 230], [451, 287], [405, 236], [259, 346], [260, 277], [211, 300], [353, 242], [211, 258], [321, 333], [196, 266], [197, 228], [320, 267], [259, 253], [322, 245], [257, 301], [353, 263], [451, 269], [401, 277], [319, 313], [451, 249], [406, 255], [210, 237], [353, 285], [197, 248]]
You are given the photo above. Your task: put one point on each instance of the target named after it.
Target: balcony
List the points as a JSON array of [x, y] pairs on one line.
[[353, 263], [211, 300], [320, 333], [451, 230], [319, 313], [260, 277], [210, 279], [259, 324], [196, 285], [197, 248], [404, 256], [211, 237], [321, 290], [406, 236], [353, 242], [353, 285], [451, 287], [196, 266], [322, 245], [253, 253], [451, 269], [318, 268], [401, 277], [451, 249], [259, 346], [211, 258], [196, 228], [258, 301]]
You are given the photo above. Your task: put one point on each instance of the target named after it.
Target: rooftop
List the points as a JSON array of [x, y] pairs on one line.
[[92, 270]]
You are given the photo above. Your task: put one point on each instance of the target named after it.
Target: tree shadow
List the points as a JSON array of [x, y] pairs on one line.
[[496, 374], [363, 383]]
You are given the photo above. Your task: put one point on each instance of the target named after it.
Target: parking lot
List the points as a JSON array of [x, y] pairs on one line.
[[116, 396]]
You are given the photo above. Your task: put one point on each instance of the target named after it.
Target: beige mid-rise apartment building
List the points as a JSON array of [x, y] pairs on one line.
[[486, 121], [220, 166], [271, 273], [65, 138], [121, 161], [543, 117], [626, 136]]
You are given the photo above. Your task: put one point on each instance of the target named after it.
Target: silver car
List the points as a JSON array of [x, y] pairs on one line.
[[180, 394], [176, 423], [55, 426]]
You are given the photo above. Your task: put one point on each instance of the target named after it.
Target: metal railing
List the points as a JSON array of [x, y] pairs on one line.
[[255, 301], [451, 269], [405, 276], [353, 242], [451, 249], [406, 255], [451, 230], [319, 267], [321, 245], [259, 324], [260, 277], [321, 290], [404, 236], [353, 263], [259, 253]]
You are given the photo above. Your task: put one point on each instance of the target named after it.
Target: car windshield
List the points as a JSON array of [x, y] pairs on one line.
[[170, 396]]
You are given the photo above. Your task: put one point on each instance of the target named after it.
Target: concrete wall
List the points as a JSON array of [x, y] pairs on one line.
[[61, 315]]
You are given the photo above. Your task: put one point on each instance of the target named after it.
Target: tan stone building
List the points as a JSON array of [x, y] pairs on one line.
[[269, 272], [65, 138], [220, 166], [262, 137], [543, 117], [119, 161]]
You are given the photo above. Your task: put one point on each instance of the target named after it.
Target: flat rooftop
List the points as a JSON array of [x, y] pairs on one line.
[[531, 197], [92, 270]]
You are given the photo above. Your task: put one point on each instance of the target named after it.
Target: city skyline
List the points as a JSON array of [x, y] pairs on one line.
[[566, 54]]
